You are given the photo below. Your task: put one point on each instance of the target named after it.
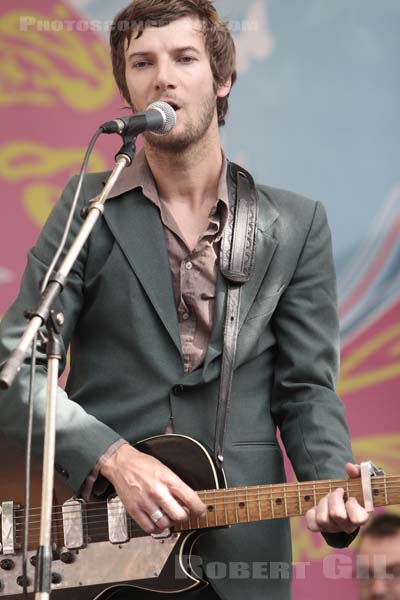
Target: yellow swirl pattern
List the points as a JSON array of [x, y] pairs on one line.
[[40, 68], [25, 160], [386, 341], [38, 200], [384, 451]]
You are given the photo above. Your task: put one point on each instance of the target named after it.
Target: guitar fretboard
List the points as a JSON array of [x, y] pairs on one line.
[[224, 507], [258, 503]]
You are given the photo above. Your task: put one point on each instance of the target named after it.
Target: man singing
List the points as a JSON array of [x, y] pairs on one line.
[[145, 309]]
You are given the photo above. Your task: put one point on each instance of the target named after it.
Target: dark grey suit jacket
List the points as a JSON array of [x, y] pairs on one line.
[[127, 378]]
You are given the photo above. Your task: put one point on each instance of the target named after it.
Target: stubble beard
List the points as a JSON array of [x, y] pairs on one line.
[[192, 134]]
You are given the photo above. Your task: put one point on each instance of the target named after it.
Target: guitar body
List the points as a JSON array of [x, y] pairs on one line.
[[108, 552], [194, 464]]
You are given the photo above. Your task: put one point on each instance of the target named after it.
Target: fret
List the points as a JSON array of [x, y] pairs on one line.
[[285, 500], [215, 510], [206, 503], [385, 489], [230, 507], [299, 497], [259, 503], [246, 494], [225, 507], [347, 489], [314, 493], [236, 506], [272, 502], [330, 485]]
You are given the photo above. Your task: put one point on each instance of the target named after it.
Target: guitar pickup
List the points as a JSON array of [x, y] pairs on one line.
[[7, 528], [117, 521], [73, 524]]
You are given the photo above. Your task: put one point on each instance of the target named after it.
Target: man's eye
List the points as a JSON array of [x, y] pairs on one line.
[[394, 570], [141, 64], [186, 59]]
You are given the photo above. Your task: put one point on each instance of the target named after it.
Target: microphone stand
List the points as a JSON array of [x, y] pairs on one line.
[[45, 315]]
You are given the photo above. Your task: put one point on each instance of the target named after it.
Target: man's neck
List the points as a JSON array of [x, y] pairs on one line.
[[190, 177]]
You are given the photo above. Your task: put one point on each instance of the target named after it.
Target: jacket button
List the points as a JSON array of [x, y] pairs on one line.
[[178, 390]]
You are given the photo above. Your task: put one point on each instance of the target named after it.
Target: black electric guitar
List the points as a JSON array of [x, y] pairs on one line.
[[99, 549]]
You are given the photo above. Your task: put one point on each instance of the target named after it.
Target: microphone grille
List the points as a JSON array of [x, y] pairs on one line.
[[169, 117]]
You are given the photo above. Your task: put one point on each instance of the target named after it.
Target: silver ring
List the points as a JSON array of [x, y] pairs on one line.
[[156, 515]]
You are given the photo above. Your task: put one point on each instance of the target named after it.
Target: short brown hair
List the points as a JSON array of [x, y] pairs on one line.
[[218, 40], [383, 525]]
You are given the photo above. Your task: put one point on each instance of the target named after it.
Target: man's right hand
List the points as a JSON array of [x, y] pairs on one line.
[[144, 485]]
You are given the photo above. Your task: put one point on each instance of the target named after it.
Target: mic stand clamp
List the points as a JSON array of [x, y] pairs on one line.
[[128, 149]]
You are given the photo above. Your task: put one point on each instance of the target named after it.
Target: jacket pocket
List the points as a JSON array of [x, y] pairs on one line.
[[253, 443]]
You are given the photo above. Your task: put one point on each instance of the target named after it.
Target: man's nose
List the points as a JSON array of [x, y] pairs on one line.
[[165, 76], [378, 589]]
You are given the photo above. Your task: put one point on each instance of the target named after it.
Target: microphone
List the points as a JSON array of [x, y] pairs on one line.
[[159, 118]]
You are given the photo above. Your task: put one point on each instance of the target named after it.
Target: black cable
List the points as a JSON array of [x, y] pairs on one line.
[[72, 209]]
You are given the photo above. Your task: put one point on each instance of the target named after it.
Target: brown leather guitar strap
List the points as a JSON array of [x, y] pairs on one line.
[[236, 264]]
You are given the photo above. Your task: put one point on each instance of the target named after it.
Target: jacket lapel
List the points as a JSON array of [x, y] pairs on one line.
[[136, 225], [134, 220]]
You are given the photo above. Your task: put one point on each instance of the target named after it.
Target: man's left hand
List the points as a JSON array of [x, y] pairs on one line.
[[333, 514]]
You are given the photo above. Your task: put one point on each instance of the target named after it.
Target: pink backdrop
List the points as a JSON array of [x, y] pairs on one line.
[[55, 89]]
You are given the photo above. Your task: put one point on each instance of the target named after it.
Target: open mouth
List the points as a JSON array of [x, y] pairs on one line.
[[173, 104]]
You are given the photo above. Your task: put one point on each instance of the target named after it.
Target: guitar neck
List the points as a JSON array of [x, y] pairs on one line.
[[258, 503], [227, 506]]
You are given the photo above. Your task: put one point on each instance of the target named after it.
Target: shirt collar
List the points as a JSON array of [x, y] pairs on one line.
[[139, 175]]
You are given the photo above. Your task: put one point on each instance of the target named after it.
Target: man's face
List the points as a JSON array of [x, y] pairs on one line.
[[380, 559], [171, 63]]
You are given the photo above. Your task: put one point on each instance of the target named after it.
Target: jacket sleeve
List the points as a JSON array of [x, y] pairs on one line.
[[86, 437], [305, 406]]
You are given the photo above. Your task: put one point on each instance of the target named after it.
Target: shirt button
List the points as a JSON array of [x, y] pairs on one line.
[[178, 390], [189, 265], [185, 316]]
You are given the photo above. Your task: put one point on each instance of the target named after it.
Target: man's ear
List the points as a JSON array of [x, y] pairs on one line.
[[224, 89]]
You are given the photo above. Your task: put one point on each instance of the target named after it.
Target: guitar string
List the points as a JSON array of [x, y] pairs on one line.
[[186, 526], [318, 485], [225, 495], [293, 506], [216, 502], [202, 522], [199, 522]]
